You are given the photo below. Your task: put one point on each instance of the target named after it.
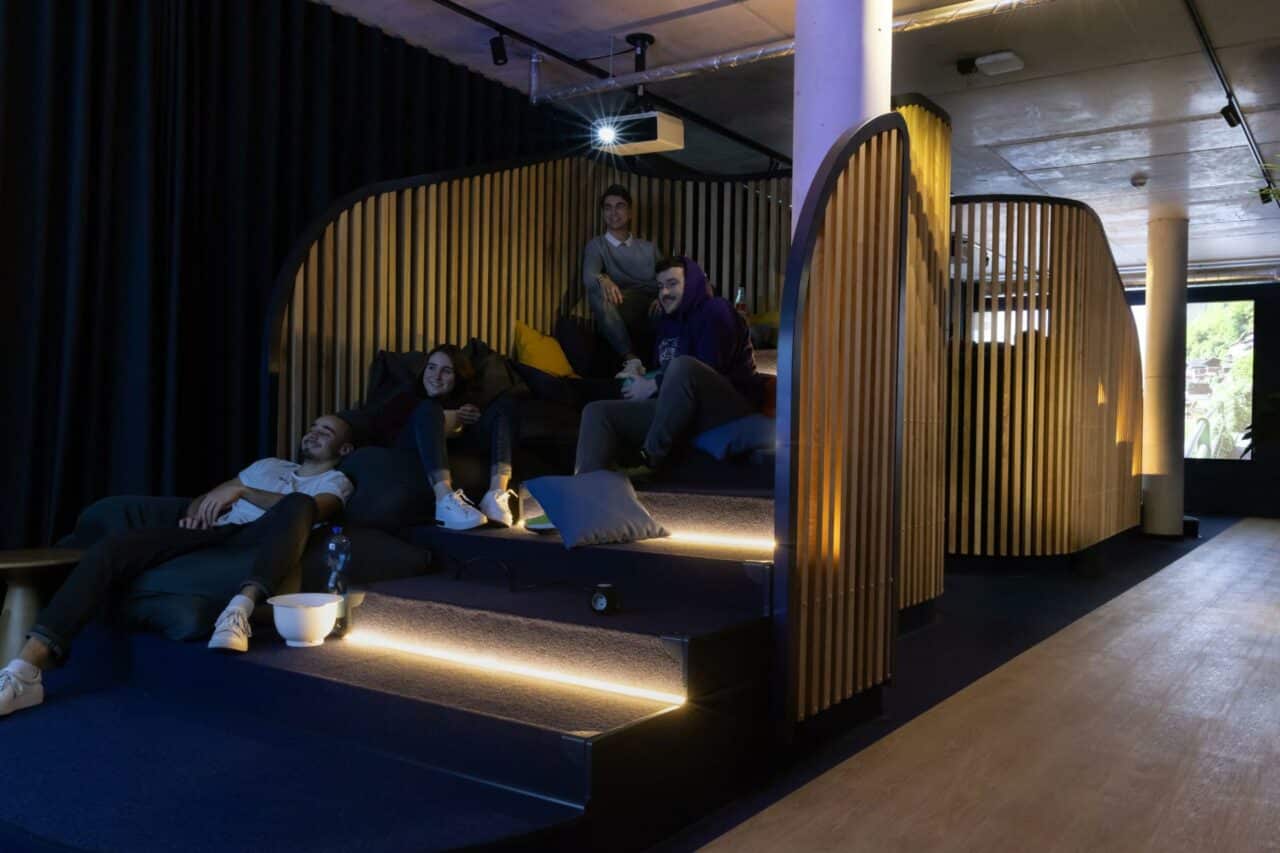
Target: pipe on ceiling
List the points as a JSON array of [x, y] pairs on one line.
[[546, 51], [1207, 44], [953, 13], [1252, 274]]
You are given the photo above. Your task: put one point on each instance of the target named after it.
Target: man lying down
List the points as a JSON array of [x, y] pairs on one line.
[[271, 507]]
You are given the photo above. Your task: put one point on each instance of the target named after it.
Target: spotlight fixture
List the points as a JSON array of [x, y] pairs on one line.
[[498, 49], [606, 134], [639, 133], [991, 64], [1231, 116]]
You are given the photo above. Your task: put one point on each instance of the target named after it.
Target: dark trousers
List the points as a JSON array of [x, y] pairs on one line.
[[693, 398], [110, 566], [119, 513], [618, 323], [494, 432]]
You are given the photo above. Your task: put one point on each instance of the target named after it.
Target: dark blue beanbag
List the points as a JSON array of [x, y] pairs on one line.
[[754, 432]]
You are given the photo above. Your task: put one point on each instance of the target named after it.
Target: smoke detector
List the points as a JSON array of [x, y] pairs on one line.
[[992, 64]]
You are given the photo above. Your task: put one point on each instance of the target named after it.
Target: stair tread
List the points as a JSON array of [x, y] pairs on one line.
[[150, 778], [680, 512]]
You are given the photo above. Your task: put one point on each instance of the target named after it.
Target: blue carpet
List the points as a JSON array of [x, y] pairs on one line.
[[119, 770]]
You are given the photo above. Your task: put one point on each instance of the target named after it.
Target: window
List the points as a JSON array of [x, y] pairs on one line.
[[1219, 392]]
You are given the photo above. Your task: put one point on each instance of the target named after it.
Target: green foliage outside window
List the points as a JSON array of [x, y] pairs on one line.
[[1219, 399]]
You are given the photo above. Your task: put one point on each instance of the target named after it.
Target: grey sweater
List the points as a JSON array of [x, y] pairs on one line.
[[630, 265]]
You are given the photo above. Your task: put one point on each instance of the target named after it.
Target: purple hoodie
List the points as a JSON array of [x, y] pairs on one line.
[[707, 328]]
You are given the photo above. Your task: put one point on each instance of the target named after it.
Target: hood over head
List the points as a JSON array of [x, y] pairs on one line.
[[695, 286]]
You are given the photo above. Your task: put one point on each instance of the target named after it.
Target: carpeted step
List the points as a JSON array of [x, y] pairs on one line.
[[598, 653], [520, 733], [685, 648], [123, 770], [718, 555]]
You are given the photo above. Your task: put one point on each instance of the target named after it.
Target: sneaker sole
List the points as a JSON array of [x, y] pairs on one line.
[[457, 526], [23, 703], [228, 647]]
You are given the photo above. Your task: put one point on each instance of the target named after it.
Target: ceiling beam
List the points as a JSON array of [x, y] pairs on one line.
[[596, 71]]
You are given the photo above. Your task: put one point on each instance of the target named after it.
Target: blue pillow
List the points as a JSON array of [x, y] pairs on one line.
[[594, 509], [754, 432]]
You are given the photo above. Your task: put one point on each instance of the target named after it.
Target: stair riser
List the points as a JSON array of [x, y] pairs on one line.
[[495, 750], [709, 581]]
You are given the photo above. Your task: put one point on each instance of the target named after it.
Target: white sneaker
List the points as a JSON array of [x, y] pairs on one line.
[[632, 367], [496, 506], [231, 633], [18, 691], [456, 512]]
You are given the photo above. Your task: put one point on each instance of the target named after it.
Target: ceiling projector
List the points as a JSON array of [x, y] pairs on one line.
[[639, 133]]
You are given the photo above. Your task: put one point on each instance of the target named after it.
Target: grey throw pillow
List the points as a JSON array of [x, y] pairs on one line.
[[594, 509]]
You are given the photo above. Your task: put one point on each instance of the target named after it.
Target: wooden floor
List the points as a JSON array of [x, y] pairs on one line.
[[1153, 723]]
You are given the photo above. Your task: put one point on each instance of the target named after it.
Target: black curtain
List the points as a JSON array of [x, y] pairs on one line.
[[157, 160]]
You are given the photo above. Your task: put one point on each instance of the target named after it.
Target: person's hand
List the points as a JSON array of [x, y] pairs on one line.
[[469, 414], [631, 368], [640, 388], [215, 503], [189, 522], [612, 293], [655, 309]]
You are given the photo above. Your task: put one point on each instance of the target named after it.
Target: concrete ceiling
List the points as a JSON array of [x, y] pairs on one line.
[[1110, 88]]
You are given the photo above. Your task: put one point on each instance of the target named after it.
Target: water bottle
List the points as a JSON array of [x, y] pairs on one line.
[[337, 557]]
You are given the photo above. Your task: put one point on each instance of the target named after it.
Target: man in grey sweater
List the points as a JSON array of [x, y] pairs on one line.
[[618, 271]]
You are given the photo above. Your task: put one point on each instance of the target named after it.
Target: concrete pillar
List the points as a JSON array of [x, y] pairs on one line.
[[1164, 377], [843, 64]]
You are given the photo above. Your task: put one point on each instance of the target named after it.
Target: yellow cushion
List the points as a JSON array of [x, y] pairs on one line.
[[535, 349], [766, 318]]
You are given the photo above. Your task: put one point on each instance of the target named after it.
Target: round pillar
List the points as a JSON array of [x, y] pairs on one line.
[[843, 64], [1164, 378]]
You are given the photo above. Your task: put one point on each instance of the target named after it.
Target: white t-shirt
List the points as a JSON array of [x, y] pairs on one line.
[[281, 476]]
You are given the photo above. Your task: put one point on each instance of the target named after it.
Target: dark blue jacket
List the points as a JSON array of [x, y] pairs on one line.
[[707, 328]]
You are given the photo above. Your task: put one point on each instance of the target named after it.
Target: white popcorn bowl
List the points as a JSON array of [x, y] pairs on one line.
[[305, 618]]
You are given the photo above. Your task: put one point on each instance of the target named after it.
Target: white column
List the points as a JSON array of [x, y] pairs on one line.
[[1164, 377], [843, 64]]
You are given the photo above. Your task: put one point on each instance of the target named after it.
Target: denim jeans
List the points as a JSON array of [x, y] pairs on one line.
[[693, 398], [109, 566], [494, 432]]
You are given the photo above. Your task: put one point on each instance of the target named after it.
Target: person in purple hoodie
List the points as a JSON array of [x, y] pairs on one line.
[[706, 376]]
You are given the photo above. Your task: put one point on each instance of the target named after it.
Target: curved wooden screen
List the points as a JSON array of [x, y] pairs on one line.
[[924, 478], [839, 431], [1045, 383], [442, 258]]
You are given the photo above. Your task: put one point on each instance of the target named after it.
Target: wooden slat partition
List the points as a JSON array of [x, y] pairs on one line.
[[443, 258], [1044, 405], [840, 425], [924, 478]]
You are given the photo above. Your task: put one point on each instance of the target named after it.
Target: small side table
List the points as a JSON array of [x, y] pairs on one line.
[[21, 569]]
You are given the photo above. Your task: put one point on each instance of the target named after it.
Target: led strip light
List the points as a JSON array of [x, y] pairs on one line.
[[721, 540], [372, 639]]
